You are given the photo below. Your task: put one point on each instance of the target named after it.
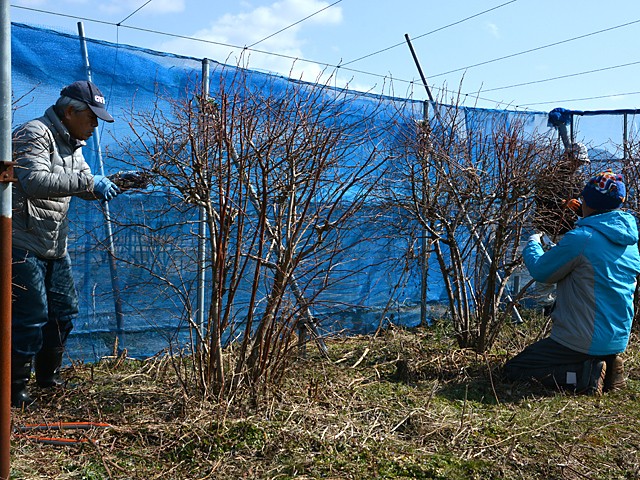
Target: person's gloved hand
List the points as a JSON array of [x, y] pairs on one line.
[[536, 237], [573, 204], [546, 241], [104, 188]]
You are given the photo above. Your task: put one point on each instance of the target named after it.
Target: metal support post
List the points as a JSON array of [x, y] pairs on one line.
[[424, 254], [202, 229], [470, 224], [6, 179], [115, 281]]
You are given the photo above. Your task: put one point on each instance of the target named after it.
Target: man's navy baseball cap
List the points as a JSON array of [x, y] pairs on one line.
[[88, 93]]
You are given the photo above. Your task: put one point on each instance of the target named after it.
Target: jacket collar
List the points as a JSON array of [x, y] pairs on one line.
[[59, 130]]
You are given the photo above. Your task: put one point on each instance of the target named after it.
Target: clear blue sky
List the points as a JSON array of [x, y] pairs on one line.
[[449, 45]]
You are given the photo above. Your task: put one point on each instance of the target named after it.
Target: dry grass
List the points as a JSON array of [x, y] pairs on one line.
[[406, 404]]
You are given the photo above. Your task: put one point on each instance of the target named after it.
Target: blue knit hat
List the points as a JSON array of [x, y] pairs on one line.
[[605, 191]]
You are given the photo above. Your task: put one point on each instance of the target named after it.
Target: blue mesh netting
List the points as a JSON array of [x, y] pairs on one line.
[[134, 79]]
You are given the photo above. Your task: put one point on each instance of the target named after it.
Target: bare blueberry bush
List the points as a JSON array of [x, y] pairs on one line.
[[466, 184], [631, 170], [277, 176]]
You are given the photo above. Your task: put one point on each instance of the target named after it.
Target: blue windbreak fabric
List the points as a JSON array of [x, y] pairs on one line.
[[380, 271]]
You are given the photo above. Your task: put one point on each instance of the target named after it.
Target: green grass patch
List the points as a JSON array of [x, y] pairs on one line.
[[406, 404]]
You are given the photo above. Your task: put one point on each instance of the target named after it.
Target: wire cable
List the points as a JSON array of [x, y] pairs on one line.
[[211, 42], [292, 25], [289, 57], [560, 77], [343, 66], [375, 75], [538, 48], [581, 99], [134, 12], [429, 33]]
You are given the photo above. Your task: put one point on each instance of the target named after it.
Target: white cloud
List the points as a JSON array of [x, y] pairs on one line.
[[253, 27], [618, 98], [493, 30]]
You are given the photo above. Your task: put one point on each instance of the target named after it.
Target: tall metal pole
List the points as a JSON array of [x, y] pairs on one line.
[[470, 224], [115, 281], [202, 227], [417, 62], [424, 255], [6, 178]]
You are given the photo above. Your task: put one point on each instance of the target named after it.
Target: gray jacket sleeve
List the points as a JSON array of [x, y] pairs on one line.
[[42, 170]]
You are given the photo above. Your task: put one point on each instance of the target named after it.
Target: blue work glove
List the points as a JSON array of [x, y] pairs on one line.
[[104, 188]]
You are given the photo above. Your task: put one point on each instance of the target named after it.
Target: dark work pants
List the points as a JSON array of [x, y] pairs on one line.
[[45, 302], [550, 363]]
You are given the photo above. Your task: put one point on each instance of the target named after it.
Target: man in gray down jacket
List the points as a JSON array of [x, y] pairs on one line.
[[50, 169], [595, 266]]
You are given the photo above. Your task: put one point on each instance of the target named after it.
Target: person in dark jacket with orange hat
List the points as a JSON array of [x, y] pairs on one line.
[[556, 206]]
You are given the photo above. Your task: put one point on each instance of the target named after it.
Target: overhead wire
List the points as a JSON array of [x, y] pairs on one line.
[[293, 24], [560, 77], [554, 44], [429, 33], [343, 66], [134, 12], [166, 34], [554, 78], [201, 40], [581, 99]]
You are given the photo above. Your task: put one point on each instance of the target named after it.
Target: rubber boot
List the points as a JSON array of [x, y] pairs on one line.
[[20, 375], [615, 374], [47, 367]]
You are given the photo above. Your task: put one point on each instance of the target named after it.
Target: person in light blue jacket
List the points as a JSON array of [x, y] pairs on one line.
[[595, 266]]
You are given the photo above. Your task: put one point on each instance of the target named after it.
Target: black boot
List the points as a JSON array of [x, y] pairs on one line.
[[47, 367], [20, 374]]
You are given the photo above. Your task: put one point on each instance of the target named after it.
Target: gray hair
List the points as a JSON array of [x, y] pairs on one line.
[[64, 102]]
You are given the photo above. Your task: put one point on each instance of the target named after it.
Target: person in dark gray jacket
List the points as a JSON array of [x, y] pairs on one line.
[[50, 169]]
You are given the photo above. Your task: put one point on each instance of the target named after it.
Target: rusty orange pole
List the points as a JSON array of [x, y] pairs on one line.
[[5, 330], [6, 177]]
